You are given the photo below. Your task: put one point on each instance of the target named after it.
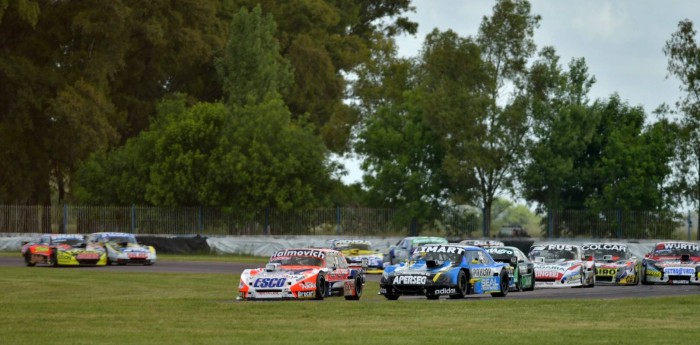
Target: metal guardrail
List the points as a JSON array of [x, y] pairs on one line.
[[346, 221]]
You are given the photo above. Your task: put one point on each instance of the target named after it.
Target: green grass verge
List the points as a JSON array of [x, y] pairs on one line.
[[95, 305]]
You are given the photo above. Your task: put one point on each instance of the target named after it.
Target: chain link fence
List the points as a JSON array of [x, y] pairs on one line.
[[345, 221]]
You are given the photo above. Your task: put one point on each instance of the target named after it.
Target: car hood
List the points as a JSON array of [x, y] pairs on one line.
[[418, 267]]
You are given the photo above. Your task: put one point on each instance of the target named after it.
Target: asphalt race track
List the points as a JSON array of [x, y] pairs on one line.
[[603, 292]]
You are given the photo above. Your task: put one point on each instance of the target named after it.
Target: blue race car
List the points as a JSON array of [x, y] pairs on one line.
[[446, 269]]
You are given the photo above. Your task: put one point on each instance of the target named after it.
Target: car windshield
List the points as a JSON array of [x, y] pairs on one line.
[[121, 239], [420, 254], [71, 241], [424, 241], [297, 261], [501, 254], [353, 245], [550, 255], [600, 253], [677, 249]]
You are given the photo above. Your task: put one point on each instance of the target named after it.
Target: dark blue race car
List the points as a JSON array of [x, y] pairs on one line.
[[446, 270]]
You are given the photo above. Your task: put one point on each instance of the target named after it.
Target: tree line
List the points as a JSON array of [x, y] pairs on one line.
[[240, 104]]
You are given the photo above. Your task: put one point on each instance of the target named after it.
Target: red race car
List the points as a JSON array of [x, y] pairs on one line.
[[672, 262], [63, 250], [305, 273]]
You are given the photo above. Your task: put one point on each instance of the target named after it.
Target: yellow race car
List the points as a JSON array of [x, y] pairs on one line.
[[356, 251]]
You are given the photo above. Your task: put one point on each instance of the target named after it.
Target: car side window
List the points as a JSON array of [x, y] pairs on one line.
[[485, 259], [472, 255], [342, 263], [331, 260]]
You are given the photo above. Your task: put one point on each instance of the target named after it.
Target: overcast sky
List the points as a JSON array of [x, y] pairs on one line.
[[621, 40]]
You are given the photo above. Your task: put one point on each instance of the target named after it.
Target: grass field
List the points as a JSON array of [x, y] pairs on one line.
[[43, 305]]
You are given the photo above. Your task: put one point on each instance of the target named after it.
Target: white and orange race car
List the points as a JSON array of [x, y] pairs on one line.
[[304, 273]]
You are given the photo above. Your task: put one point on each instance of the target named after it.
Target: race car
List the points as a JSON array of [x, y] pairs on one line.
[[614, 264], [63, 250], [123, 248], [358, 251], [403, 249], [304, 273], [672, 263], [521, 274], [561, 265], [446, 270]]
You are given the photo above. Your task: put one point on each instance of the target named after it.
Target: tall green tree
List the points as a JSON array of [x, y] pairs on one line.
[[246, 153], [55, 73], [171, 48], [402, 154], [562, 127], [484, 131], [683, 55], [325, 41]]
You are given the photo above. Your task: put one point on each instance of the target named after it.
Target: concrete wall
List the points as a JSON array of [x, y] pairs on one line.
[[266, 245]]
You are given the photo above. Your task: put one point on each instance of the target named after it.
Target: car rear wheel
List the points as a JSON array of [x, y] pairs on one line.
[[320, 287], [532, 284], [28, 259], [503, 284], [592, 278], [54, 258], [358, 289], [462, 284], [392, 297]]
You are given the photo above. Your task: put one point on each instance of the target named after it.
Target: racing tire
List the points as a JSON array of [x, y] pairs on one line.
[[592, 284], [28, 259], [54, 258], [320, 287], [503, 284], [462, 285], [358, 289], [644, 277], [432, 297], [392, 297], [532, 284]]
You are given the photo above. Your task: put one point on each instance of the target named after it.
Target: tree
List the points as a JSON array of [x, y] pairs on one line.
[[58, 58], [171, 48], [683, 56], [484, 132], [402, 154], [324, 42], [246, 153], [562, 127]]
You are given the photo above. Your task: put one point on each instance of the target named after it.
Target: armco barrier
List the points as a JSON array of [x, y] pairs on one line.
[[266, 245]]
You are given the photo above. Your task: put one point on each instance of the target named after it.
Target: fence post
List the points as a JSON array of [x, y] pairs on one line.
[[266, 229], [133, 218], [550, 223], [690, 225], [337, 219], [64, 224], [200, 227], [619, 223]]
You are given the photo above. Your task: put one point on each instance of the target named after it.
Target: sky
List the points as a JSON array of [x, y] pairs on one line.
[[621, 40]]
